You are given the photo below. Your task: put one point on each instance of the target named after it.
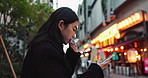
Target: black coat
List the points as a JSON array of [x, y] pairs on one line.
[[47, 60]]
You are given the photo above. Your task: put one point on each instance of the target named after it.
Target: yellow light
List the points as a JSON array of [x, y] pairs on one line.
[[133, 18], [104, 49], [145, 49], [97, 45], [112, 40], [82, 56], [88, 49], [120, 54], [111, 49], [126, 22], [117, 36], [125, 53], [131, 56], [94, 40], [135, 44], [129, 20], [136, 52], [86, 46], [145, 16], [108, 50], [141, 49], [86, 54], [120, 26], [123, 24], [81, 52], [116, 49], [138, 16], [122, 47], [139, 57], [108, 33]]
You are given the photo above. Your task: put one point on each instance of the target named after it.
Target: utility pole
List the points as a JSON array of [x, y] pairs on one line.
[[8, 58]]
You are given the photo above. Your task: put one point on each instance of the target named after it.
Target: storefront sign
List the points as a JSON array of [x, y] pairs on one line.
[[146, 65], [113, 31], [116, 57]]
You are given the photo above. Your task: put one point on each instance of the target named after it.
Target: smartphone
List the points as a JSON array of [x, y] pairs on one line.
[[74, 41], [108, 58]]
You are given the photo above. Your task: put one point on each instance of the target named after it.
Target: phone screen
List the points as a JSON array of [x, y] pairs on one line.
[[108, 58]]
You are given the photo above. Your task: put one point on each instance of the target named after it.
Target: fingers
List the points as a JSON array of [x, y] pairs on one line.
[[74, 47], [104, 64]]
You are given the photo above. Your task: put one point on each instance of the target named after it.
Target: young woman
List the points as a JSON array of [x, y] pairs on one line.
[[46, 58]]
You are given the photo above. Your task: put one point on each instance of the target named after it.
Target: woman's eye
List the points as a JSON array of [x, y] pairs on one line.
[[74, 29]]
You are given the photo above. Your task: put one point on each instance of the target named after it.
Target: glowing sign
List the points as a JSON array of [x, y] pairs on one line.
[[145, 65], [130, 21], [86, 46], [113, 31], [109, 33]]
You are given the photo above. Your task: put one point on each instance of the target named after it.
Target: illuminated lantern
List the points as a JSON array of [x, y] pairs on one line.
[[131, 56]]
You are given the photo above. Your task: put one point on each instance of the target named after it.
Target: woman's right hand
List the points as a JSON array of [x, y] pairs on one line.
[[104, 64]]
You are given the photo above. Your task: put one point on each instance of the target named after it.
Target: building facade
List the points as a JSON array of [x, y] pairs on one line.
[[119, 27]]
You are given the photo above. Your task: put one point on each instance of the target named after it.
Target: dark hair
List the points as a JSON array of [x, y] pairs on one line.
[[50, 30]]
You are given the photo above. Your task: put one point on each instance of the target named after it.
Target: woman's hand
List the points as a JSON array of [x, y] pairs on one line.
[[104, 64], [74, 47]]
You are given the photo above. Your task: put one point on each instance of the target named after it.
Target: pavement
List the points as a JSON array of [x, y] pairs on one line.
[[113, 75], [110, 74]]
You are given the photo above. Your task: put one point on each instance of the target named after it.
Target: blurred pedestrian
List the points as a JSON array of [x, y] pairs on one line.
[[46, 58]]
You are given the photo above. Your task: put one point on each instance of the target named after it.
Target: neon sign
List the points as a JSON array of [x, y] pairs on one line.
[[113, 31]]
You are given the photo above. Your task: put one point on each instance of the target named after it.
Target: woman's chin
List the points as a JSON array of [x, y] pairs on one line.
[[66, 43]]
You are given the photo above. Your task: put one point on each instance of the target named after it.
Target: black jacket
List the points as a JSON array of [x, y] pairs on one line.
[[47, 60]]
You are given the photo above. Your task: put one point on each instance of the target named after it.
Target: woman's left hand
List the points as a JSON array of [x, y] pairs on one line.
[[105, 64]]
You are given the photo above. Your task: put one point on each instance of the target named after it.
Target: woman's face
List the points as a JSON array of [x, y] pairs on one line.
[[69, 32]]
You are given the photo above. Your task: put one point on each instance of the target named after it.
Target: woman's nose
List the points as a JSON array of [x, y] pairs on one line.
[[74, 36]]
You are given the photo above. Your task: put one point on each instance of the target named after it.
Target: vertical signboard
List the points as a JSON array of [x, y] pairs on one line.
[[94, 55], [145, 65], [102, 55]]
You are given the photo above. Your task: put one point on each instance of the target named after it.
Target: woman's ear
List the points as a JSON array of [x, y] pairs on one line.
[[61, 25]]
